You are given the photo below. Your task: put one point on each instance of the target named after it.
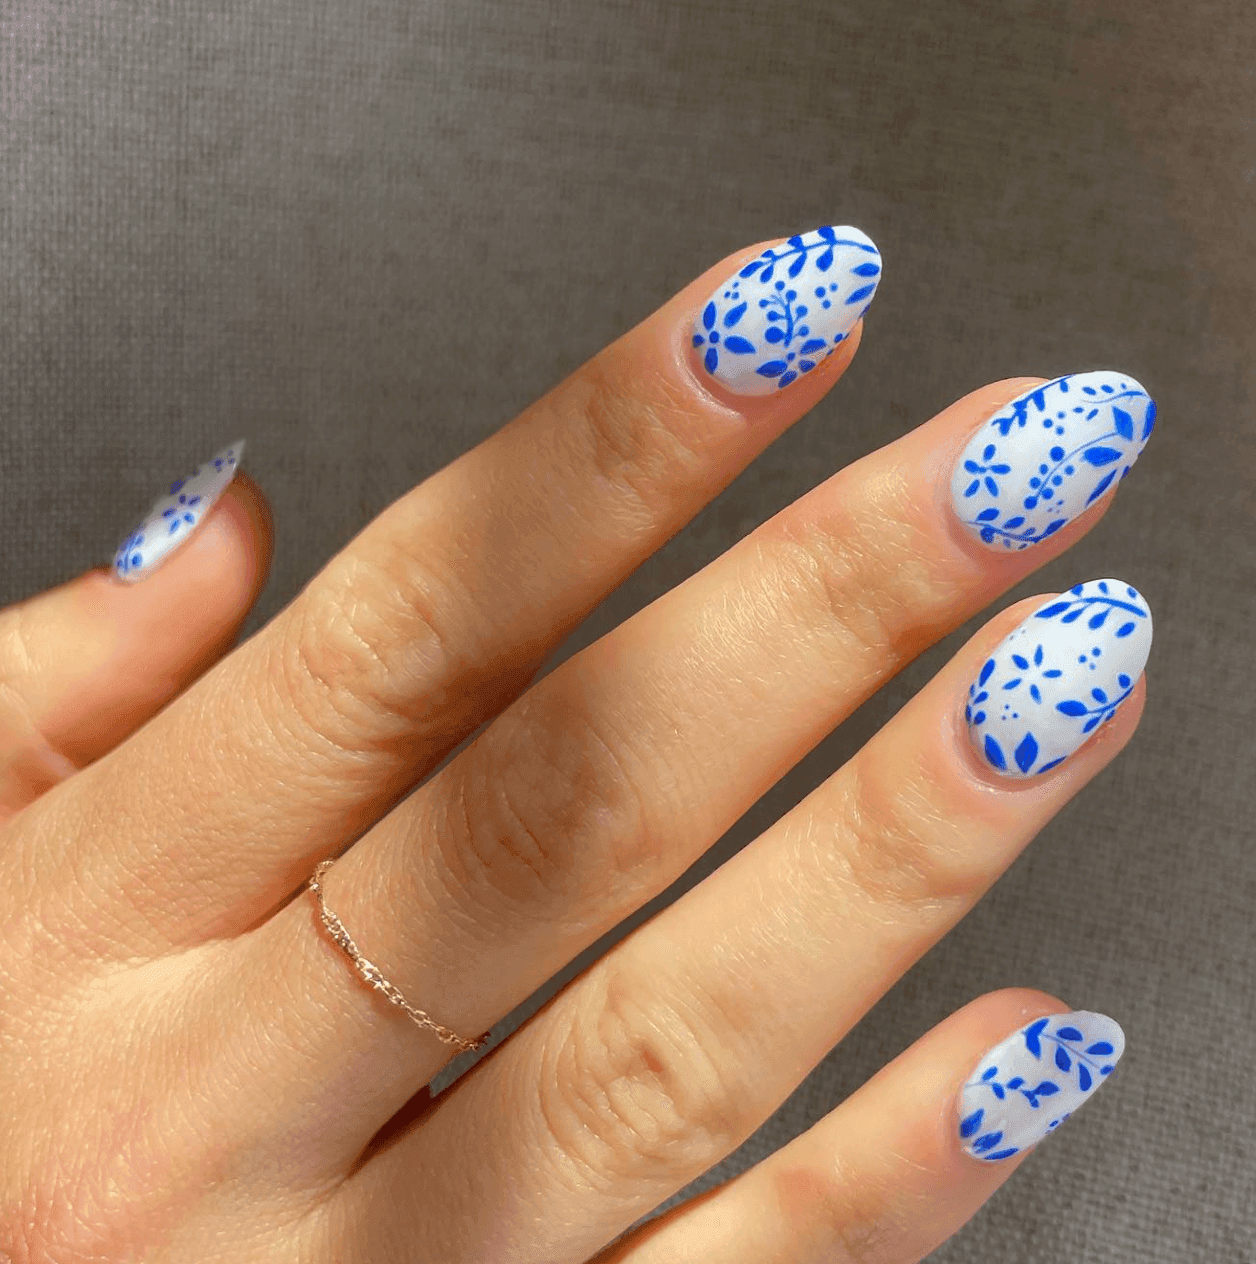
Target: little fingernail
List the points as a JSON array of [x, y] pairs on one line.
[[1049, 684], [1028, 1085], [787, 310], [1043, 458], [176, 515]]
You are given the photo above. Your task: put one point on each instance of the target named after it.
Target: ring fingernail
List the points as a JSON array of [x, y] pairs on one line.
[[1064, 671], [174, 517], [1042, 459], [1028, 1085], [787, 310]]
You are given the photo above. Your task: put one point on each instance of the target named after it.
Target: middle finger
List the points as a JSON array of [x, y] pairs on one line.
[[613, 774]]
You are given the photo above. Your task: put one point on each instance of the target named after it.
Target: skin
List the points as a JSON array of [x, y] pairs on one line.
[[189, 1070]]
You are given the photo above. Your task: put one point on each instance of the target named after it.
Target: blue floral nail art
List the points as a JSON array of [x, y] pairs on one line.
[[787, 310], [1039, 462], [1028, 1085], [174, 517], [1057, 677]]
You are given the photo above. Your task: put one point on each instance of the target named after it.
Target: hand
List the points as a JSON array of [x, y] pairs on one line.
[[191, 1069]]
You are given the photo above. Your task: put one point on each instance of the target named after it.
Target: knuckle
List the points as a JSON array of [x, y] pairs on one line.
[[903, 844], [868, 576], [553, 820], [640, 1091], [633, 430], [857, 1211], [367, 647]]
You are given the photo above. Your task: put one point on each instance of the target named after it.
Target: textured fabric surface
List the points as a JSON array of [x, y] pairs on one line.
[[363, 235]]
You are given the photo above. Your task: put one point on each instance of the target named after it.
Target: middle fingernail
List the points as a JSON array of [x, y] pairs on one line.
[[1049, 454], [1049, 684]]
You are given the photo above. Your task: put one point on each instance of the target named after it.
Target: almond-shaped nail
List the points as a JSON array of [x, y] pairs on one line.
[[1030, 1083], [1045, 457], [178, 513], [787, 310], [1064, 671]]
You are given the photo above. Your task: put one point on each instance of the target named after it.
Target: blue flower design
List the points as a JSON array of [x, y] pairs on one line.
[[181, 514], [985, 472], [717, 330]]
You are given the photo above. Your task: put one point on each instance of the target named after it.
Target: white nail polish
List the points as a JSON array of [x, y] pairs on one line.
[[1028, 1085], [1050, 683], [1042, 459], [174, 517], [787, 310]]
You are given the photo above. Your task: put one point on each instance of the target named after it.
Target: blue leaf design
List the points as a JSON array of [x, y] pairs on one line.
[[825, 261], [711, 359], [797, 266], [1101, 456], [1084, 1078], [734, 315], [1026, 753], [1069, 1033], [861, 294], [1038, 657], [828, 232], [1051, 611], [1103, 485], [739, 345], [1070, 706], [1033, 1036], [867, 269], [987, 515], [773, 368], [1047, 1089], [1099, 1048], [1021, 662], [971, 1123], [1149, 421], [1091, 724], [1062, 1060], [774, 333], [1098, 620], [994, 753], [986, 672], [1099, 696], [1002, 1154], [1124, 422], [988, 1142], [1125, 629], [708, 316], [1012, 523], [812, 345], [1073, 615]]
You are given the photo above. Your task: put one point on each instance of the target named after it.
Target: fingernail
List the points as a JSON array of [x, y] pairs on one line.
[[1028, 1085], [787, 310], [1057, 677], [1043, 458], [176, 515]]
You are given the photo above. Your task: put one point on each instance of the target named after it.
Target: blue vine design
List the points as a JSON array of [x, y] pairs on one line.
[[797, 250], [1067, 1057], [1011, 524]]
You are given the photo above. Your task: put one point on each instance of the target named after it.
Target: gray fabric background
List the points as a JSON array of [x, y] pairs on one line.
[[363, 235]]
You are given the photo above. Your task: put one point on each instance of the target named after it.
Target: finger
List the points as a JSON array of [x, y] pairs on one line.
[[887, 1176], [685, 1037], [433, 618], [84, 664], [616, 772]]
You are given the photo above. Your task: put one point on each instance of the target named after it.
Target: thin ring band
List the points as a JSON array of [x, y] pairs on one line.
[[370, 973]]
